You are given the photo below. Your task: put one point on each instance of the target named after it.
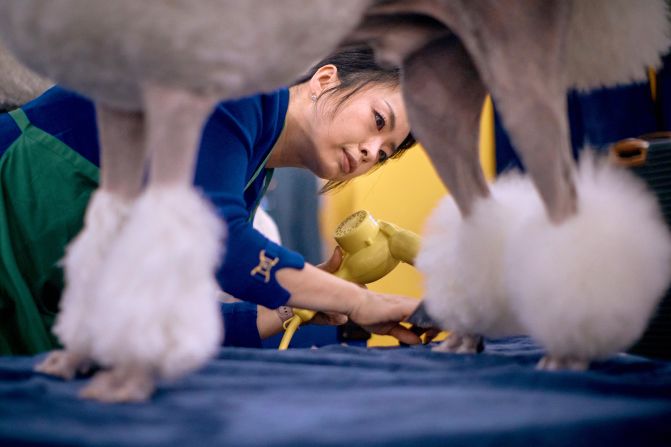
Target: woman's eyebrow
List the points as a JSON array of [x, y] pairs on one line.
[[392, 115]]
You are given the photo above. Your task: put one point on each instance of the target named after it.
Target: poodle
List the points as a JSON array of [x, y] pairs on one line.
[[141, 297], [156, 69], [496, 261]]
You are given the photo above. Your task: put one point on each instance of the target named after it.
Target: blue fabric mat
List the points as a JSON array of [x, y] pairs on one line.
[[341, 395]]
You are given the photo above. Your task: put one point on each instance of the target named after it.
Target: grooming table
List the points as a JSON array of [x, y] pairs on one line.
[[340, 395]]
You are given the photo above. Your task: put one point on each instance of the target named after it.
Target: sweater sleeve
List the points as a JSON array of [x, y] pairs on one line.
[[228, 157], [240, 327]]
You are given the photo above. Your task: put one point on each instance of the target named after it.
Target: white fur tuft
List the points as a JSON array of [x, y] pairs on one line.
[[462, 260], [105, 215], [612, 42], [586, 289], [157, 301]]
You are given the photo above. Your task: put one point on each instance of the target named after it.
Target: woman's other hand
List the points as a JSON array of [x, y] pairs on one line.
[[331, 266], [312, 288], [378, 313], [333, 263]]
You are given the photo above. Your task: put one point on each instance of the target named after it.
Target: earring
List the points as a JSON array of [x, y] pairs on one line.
[[313, 98]]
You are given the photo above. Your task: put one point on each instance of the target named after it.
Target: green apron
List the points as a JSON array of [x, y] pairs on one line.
[[44, 189]]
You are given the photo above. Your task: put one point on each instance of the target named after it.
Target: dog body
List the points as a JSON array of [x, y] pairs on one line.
[[134, 304], [220, 48], [527, 54], [18, 85], [156, 69]]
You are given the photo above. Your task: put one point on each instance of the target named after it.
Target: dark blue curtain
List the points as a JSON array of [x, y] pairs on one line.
[[604, 116]]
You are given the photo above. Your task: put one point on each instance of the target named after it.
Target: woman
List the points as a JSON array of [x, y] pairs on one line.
[[343, 119]]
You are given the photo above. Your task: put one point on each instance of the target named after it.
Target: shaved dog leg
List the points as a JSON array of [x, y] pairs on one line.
[[520, 61], [444, 97]]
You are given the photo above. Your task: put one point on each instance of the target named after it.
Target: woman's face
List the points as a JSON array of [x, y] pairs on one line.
[[364, 131]]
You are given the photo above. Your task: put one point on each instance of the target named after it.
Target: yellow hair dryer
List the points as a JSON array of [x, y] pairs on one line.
[[371, 249]]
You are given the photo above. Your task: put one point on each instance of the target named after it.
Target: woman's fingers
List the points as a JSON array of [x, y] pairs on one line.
[[376, 308], [430, 334], [404, 335], [329, 319], [333, 263]]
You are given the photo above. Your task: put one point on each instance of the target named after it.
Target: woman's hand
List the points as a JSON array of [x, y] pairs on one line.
[[377, 313], [381, 314], [269, 321], [333, 263], [312, 288], [328, 319]]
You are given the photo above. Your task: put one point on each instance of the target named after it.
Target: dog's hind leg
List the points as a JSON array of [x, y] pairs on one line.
[[518, 48], [461, 344], [444, 97], [550, 363], [568, 267], [122, 155], [442, 89]]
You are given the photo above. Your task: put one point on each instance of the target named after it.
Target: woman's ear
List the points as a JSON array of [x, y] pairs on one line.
[[324, 78]]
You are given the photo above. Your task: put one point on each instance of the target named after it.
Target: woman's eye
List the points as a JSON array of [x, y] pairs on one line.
[[382, 157], [379, 121]]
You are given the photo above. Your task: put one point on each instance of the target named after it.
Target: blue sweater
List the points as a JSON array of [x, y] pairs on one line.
[[236, 141]]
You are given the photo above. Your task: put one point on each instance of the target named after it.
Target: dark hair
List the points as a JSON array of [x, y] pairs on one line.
[[357, 70]]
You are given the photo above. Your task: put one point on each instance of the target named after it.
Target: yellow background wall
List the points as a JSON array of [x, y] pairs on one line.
[[403, 192]]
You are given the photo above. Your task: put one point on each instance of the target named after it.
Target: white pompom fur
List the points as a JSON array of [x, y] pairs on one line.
[[156, 304], [462, 260], [586, 289], [105, 215]]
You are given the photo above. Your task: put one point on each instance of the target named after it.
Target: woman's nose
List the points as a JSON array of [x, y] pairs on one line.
[[369, 149]]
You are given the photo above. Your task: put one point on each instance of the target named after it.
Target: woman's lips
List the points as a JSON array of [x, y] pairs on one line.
[[349, 164]]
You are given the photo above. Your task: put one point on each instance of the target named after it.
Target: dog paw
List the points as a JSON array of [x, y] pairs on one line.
[[119, 385], [62, 363], [549, 363], [461, 344]]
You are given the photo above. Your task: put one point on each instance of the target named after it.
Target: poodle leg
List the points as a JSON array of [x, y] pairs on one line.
[[586, 289], [121, 177], [175, 121], [397, 29], [120, 384], [550, 363], [520, 60], [461, 344], [158, 290], [64, 364], [123, 152], [443, 91]]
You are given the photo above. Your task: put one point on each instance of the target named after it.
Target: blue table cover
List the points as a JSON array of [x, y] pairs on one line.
[[340, 395]]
